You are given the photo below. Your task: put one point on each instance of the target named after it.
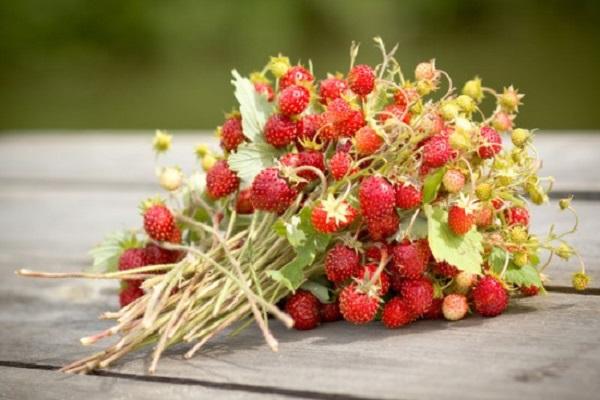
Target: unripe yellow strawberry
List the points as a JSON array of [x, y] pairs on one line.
[[170, 178], [483, 191], [520, 259], [208, 161], [466, 104], [279, 65], [564, 251], [162, 141], [473, 89], [520, 137], [580, 281], [519, 234], [449, 110]]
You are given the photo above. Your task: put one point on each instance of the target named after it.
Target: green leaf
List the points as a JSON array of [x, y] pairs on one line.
[[497, 259], [279, 227], [524, 276], [292, 274], [464, 252], [418, 231], [251, 158], [254, 107], [432, 185], [106, 254], [319, 290]]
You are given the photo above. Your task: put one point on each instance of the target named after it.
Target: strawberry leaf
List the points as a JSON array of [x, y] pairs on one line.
[[464, 252], [106, 254], [254, 107], [432, 183], [251, 158], [320, 291], [526, 275]]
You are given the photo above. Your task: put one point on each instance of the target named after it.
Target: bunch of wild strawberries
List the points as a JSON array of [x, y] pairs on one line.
[[367, 152]]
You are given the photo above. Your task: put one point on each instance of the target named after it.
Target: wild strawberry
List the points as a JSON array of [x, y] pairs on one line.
[[308, 126], [357, 306], [231, 133], [332, 214], [453, 181], [305, 159], [367, 141], [530, 290], [159, 222], [349, 126], [303, 307], [395, 111], [498, 203], [265, 89], [374, 252], [366, 272], [396, 313], [418, 294], [280, 130], [409, 261], [517, 216], [437, 151], [455, 307], [243, 203], [339, 164], [460, 220], [484, 216], [132, 258], [269, 192], [330, 312], [341, 263], [361, 79], [129, 293], [491, 142], [338, 110], [463, 282], [408, 196], [435, 311], [426, 71], [445, 270], [293, 100], [503, 121], [406, 96], [331, 89], [156, 255], [377, 197], [295, 75], [383, 226], [221, 181], [489, 297]]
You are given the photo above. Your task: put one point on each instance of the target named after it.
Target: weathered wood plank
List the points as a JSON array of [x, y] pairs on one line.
[[87, 157], [54, 228], [544, 347], [34, 384]]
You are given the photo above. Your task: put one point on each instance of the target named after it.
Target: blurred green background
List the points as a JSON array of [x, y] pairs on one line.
[[165, 64]]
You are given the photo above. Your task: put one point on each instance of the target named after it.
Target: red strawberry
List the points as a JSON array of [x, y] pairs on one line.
[[489, 297], [132, 258], [455, 307], [331, 89], [265, 89], [311, 159], [406, 96], [408, 196], [309, 125], [338, 110], [498, 203], [361, 79], [129, 293], [331, 215], [231, 133], [330, 312], [295, 76], [531, 290], [293, 100], [356, 306], [221, 181], [395, 111], [156, 255], [437, 151], [453, 181], [350, 125], [377, 197], [366, 272], [341, 263], [159, 222], [280, 130], [409, 260], [339, 164], [269, 192], [491, 142], [517, 216], [367, 141], [303, 307], [484, 216], [374, 252], [396, 313], [460, 220], [435, 311], [383, 226], [418, 294], [445, 270], [243, 203]]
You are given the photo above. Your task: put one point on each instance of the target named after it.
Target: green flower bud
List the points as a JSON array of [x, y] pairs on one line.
[[162, 141], [565, 203], [520, 259], [473, 89], [564, 251]]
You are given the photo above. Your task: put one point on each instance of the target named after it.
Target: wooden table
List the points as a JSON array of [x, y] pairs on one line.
[[60, 193]]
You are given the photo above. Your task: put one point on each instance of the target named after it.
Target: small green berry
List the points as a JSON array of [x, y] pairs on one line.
[[520, 137], [580, 281], [564, 251], [466, 104], [449, 110], [520, 259], [473, 89], [162, 141], [483, 191], [565, 203], [519, 234]]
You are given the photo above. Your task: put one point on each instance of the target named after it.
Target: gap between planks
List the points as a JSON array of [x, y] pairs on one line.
[[225, 386]]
